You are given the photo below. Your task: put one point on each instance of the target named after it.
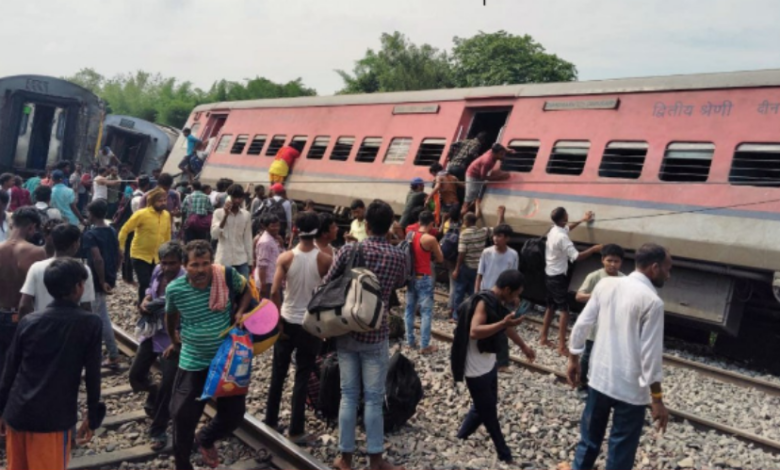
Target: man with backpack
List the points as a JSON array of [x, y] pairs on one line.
[[279, 206], [363, 357], [301, 271], [559, 252], [42, 205], [419, 291], [487, 317]]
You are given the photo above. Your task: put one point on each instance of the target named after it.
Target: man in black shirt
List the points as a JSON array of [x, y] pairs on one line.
[[40, 384]]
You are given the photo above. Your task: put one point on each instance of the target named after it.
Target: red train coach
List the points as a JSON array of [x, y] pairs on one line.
[[691, 162]]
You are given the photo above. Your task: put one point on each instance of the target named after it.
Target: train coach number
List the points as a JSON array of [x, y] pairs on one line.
[[38, 86]]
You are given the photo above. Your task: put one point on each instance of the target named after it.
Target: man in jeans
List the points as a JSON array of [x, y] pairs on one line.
[[100, 247], [301, 271], [420, 291], [626, 368], [365, 355], [471, 242], [232, 229], [188, 303]]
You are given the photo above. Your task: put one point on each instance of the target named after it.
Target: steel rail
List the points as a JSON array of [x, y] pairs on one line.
[[252, 431]]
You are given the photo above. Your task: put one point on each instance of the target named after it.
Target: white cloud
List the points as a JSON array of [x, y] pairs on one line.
[[206, 40]]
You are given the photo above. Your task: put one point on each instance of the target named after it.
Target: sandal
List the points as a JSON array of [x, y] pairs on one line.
[[210, 456], [159, 442], [111, 363]]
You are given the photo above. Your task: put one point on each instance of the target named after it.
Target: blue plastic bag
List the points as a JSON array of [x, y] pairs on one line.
[[231, 368]]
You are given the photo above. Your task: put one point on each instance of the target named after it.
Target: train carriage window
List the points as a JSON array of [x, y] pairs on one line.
[[430, 151], [523, 159], [689, 162], [368, 150], [300, 138], [276, 143], [25, 121], [342, 149], [568, 157], [239, 144], [756, 165], [224, 143], [398, 150], [194, 131], [623, 160], [318, 147], [257, 144]]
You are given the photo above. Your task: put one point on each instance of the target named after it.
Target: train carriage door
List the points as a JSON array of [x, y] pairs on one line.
[[484, 119], [211, 131]]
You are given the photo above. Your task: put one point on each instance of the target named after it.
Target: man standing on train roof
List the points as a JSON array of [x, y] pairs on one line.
[[479, 173], [626, 366], [232, 229], [189, 304], [559, 251], [414, 198], [64, 199], [463, 153], [39, 394], [283, 161], [17, 255]]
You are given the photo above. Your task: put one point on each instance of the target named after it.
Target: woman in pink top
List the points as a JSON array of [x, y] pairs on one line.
[[481, 171]]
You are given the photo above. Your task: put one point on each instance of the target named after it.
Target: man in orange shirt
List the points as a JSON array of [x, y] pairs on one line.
[[283, 162]]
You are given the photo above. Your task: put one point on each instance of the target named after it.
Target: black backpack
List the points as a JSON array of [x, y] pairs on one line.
[[403, 392], [272, 206], [449, 244], [329, 399], [532, 260]]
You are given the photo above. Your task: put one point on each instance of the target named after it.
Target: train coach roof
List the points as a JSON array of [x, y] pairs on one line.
[[752, 79]]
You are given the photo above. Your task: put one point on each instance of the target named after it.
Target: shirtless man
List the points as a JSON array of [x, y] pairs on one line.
[[16, 257]]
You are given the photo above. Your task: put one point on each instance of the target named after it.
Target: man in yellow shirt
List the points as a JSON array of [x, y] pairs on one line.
[[152, 228], [357, 230]]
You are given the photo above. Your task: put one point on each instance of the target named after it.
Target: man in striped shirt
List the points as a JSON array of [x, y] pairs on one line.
[[188, 302], [196, 206], [471, 242]]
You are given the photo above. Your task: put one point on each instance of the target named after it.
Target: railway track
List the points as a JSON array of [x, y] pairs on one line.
[[723, 375], [697, 422], [265, 448]]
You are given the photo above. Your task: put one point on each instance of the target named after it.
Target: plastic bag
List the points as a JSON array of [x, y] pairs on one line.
[[231, 368]]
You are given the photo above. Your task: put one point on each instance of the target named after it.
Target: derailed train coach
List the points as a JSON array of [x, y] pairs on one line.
[[141, 144], [44, 120], [689, 161]]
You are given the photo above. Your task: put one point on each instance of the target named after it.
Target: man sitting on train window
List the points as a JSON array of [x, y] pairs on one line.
[[559, 251], [283, 162], [463, 153], [479, 173], [192, 145], [414, 199]]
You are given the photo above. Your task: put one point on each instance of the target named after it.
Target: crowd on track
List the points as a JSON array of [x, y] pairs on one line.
[[205, 259]]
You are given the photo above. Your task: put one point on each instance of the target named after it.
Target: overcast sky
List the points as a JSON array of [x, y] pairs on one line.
[[206, 40]]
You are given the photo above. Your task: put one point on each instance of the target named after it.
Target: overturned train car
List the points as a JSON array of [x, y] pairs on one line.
[[691, 162], [141, 144], [44, 120]]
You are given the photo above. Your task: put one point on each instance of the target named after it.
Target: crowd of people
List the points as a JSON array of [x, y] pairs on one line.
[[60, 259]]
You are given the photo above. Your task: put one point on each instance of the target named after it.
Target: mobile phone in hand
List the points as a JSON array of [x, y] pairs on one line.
[[522, 309]]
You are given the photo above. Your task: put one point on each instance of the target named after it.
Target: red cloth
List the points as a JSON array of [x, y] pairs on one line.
[[20, 197], [416, 226], [480, 167], [422, 258], [288, 154]]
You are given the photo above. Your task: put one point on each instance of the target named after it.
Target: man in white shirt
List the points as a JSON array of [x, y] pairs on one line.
[[101, 183], [42, 205], [107, 158], [626, 366], [35, 295], [559, 251], [144, 184], [232, 229]]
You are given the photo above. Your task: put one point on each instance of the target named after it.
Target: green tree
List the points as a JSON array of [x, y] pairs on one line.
[[501, 59], [398, 65], [167, 101]]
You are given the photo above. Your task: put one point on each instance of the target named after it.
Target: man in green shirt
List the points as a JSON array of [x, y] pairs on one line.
[[612, 258], [188, 302]]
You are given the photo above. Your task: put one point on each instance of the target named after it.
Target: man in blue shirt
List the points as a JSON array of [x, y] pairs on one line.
[[192, 145], [64, 199]]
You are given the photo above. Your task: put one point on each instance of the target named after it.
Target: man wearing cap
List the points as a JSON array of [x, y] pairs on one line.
[[415, 198], [64, 199], [232, 228]]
